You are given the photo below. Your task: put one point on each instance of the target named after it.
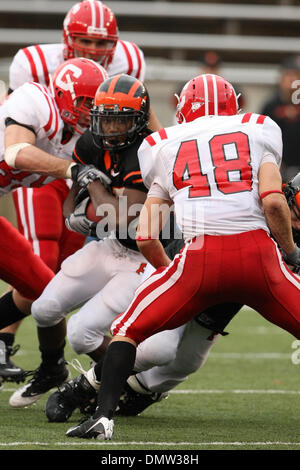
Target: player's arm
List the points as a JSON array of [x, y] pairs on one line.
[[119, 210], [21, 153], [154, 215], [154, 123], [69, 203], [275, 207]]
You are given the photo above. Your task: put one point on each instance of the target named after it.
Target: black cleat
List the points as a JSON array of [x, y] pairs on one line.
[[93, 428], [132, 403], [42, 381], [8, 370], [78, 393]]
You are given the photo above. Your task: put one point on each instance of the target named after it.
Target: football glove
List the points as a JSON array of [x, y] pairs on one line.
[[78, 221], [86, 174]]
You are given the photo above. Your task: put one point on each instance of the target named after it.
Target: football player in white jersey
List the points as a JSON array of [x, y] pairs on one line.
[[89, 30], [40, 126], [163, 360], [221, 171]]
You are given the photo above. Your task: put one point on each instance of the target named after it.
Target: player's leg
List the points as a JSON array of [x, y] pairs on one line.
[[81, 276]]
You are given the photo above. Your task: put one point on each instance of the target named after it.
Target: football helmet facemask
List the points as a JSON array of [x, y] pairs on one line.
[[292, 194], [206, 95], [93, 20], [120, 112], [73, 85]]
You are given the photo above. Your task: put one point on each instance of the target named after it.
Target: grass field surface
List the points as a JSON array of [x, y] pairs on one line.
[[246, 397]]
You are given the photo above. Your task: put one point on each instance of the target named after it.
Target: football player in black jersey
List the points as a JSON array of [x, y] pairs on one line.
[[103, 275]]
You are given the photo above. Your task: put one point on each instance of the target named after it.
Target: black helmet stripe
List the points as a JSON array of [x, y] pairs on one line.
[[124, 84]]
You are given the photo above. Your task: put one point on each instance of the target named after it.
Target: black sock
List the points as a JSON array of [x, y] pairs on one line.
[[117, 366], [53, 358], [8, 338], [98, 369], [9, 311]]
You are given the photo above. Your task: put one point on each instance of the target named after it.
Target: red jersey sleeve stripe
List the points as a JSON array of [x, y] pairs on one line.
[[139, 61], [32, 64], [150, 140], [44, 65], [129, 59], [261, 119], [163, 134], [246, 118]]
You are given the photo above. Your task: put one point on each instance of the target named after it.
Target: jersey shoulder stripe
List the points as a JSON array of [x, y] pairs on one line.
[[246, 118], [44, 64], [128, 56], [136, 49], [259, 118], [31, 64], [159, 135], [52, 124]]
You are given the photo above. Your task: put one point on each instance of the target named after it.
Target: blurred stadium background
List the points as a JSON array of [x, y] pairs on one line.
[[250, 38]]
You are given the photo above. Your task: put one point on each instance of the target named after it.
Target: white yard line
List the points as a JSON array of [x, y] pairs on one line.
[[141, 443]]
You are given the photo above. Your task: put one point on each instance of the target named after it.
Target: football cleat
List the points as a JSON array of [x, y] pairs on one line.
[[132, 403], [8, 370], [42, 381], [93, 428], [78, 393]]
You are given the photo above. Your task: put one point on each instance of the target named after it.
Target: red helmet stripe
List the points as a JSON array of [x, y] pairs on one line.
[[129, 59], [44, 65], [32, 64]]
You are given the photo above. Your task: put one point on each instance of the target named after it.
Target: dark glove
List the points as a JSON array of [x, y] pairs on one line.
[[78, 221], [293, 259], [85, 174]]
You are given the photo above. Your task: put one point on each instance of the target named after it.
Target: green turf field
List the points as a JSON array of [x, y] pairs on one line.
[[247, 396]]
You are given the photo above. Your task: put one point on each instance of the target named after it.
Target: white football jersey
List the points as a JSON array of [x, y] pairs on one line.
[[33, 105], [209, 168], [36, 63]]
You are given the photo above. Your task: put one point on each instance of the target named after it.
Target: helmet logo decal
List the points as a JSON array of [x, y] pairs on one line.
[[93, 30], [64, 80]]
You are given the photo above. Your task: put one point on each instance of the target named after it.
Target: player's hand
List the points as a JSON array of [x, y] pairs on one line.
[[78, 221], [83, 175], [293, 259]]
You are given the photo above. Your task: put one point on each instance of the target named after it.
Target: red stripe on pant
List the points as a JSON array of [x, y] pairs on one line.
[[243, 268]]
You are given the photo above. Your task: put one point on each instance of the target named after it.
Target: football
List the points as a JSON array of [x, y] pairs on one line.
[[91, 213]]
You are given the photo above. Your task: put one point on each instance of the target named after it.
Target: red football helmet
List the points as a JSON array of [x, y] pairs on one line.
[[206, 95], [74, 84], [90, 19]]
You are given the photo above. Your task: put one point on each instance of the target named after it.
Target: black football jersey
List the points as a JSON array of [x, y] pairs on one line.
[[123, 169]]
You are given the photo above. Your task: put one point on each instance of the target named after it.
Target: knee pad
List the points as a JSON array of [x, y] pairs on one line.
[[157, 350], [46, 312], [81, 338]]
